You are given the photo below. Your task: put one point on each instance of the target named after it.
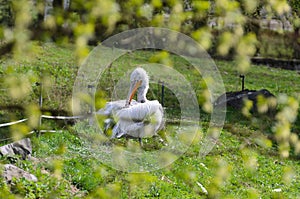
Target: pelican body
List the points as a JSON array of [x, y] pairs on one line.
[[137, 119]]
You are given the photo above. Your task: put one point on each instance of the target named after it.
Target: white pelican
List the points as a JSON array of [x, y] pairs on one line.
[[138, 119]]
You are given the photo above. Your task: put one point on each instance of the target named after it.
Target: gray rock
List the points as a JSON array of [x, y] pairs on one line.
[[10, 171], [22, 147]]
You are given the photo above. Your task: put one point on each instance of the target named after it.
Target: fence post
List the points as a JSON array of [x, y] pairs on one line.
[[243, 82], [40, 105], [92, 105], [162, 96]]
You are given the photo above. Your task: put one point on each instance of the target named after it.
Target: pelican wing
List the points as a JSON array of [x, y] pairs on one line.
[[139, 120], [113, 107], [139, 111]]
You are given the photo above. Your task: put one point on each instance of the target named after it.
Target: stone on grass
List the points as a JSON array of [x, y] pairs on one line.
[[22, 147], [11, 171]]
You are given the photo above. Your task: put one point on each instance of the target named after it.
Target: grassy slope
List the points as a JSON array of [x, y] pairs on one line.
[[238, 167]]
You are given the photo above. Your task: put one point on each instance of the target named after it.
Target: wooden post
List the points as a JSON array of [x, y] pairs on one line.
[[40, 105], [91, 87], [162, 96], [243, 82], [92, 105]]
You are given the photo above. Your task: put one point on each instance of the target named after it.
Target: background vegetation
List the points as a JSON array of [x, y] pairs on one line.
[[256, 154]]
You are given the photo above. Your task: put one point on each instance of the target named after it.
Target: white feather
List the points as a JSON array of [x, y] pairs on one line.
[[137, 119]]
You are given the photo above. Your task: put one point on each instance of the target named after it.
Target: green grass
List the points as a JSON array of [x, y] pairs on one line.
[[241, 165]]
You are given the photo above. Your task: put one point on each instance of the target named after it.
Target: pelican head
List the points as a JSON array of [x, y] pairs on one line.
[[139, 82]]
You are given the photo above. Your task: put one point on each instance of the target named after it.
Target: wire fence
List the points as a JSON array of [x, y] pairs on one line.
[[12, 123], [39, 131]]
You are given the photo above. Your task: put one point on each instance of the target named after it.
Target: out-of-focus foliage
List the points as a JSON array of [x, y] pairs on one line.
[[7, 15], [224, 27], [90, 22], [295, 6], [282, 129]]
